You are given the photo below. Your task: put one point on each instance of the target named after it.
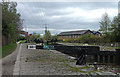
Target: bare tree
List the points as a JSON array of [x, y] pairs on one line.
[[105, 23]]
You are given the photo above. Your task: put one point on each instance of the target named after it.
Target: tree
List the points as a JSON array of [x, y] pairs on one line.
[[32, 37], [84, 38], [115, 35], [21, 38], [47, 35], [111, 29], [11, 21], [38, 36], [114, 23], [35, 38], [54, 38], [105, 23]]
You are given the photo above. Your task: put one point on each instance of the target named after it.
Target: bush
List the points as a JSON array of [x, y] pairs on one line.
[[87, 38], [83, 39], [106, 38], [59, 40], [69, 40], [21, 38], [22, 41]]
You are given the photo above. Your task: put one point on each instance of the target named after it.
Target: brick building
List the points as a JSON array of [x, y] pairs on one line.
[[25, 34], [77, 34]]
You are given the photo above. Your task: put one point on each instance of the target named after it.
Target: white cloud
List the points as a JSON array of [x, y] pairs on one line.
[[50, 29], [37, 29], [89, 15], [56, 16], [64, 16], [40, 14], [65, 0]]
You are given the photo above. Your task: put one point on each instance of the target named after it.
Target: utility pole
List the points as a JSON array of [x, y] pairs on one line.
[[45, 27], [45, 33]]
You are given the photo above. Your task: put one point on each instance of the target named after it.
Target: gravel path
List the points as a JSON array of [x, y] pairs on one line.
[[48, 62], [43, 62], [8, 63], [0, 67]]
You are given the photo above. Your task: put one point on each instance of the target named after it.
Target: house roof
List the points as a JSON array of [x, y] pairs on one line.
[[23, 32], [94, 32], [79, 32]]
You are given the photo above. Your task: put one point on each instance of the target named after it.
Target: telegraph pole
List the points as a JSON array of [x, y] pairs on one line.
[[45, 33], [45, 27]]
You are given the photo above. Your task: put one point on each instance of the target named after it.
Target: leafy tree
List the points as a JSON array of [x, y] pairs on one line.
[[54, 38], [47, 35], [21, 38], [111, 30], [32, 37], [106, 38], [115, 35], [37, 36], [105, 23], [84, 38], [11, 21]]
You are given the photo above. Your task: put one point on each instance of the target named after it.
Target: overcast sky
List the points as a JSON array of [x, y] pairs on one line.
[[64, 16]]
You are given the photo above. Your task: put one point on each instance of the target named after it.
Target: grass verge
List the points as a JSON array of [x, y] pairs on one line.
[[117, 47], [8, 49], [0, 52], [22, 41]]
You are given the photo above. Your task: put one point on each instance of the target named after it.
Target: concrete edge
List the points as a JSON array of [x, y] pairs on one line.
[[16, 70]]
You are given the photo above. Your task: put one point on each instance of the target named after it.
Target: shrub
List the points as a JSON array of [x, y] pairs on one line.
[[21, 38]]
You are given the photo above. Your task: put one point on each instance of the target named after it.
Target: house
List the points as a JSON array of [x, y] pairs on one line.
[[77, 34], [25, 34], [97, 34], [30, 34]]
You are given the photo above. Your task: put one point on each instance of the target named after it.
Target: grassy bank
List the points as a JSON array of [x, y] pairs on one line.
[[8, 49], [22, 41]]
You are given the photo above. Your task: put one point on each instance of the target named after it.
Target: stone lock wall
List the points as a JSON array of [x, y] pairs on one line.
[[90, 54]]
